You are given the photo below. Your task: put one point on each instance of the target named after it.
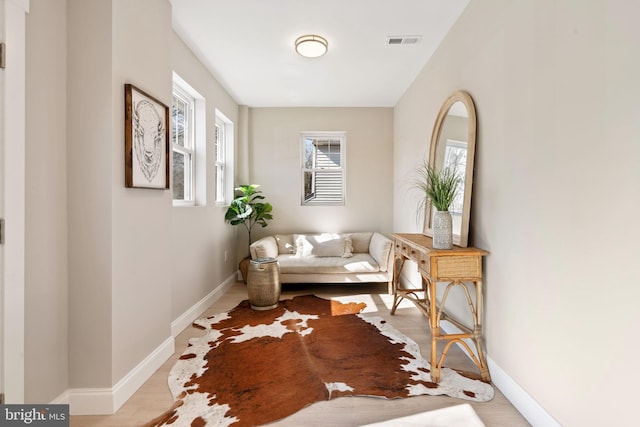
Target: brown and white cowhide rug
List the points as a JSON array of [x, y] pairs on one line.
[[255, 367]]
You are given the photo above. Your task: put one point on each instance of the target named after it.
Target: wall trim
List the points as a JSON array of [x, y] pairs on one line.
[[523, 402], [127, 386], [63, 399], [90, 401], [187, 318], [107, 400], [531, 410]]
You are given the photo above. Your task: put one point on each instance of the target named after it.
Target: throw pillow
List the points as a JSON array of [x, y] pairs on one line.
[[381, 247], [348, 247], [285, 243], [319, 245], [361, 241], [263, 252]]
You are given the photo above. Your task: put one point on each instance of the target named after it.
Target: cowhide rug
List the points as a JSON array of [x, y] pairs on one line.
[[255, 367]]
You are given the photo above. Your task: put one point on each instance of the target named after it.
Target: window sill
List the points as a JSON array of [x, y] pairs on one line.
[[183, 204]]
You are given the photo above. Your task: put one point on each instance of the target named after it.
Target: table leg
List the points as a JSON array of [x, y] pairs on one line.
[[434, 324], [398, 263], [477, 333]]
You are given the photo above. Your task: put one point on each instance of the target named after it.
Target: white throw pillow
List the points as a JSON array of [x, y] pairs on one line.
[[285, 243], [348, 247], [262, 252], [319, 245], [380, 249], [361, 241]]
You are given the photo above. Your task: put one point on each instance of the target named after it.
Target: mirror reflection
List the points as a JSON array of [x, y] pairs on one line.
[[451, 152], [453, 146]]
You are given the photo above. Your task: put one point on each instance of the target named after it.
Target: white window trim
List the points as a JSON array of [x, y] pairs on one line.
[[227, 164], [188, 150], [342, 136], [197, 178]]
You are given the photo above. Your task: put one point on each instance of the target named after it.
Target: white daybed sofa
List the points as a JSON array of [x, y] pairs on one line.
[[329, 257]]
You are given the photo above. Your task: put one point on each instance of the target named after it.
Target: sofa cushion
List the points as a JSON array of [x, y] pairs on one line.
[[319, 245], [264, 248], [263, 251], [348, 247], [358, 263], [380, 250], [285, 243], [360, 241]]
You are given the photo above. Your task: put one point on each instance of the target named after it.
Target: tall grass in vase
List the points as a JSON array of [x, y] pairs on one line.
[[439, 187]]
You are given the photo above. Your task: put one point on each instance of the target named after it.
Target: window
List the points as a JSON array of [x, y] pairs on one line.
[[188, 138], [455, 158], [183, 141], [224, 159], [323, 168]]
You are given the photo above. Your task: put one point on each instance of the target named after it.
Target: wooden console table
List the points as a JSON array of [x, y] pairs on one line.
[[452, 267]]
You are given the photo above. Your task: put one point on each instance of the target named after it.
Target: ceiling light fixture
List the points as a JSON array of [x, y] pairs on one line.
[[311, 46]]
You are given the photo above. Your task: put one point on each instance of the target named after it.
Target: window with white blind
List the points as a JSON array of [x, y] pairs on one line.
[[323, 168]]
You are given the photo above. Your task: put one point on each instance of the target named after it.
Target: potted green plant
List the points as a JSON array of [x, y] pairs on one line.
[[439, 188], [248, 209]]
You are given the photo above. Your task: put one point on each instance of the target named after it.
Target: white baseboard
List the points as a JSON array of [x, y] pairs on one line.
[[106, 401], [187, 318], [127, 386], [63, 399], [531, 410], [523, 402]]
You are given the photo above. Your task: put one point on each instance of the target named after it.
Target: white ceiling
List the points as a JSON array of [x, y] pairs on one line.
[[248, 45]]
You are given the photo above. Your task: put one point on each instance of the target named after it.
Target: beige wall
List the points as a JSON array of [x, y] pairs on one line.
[[90, 135], [199, 235], [108, 268], [556, 93], [119, 252], [556, 185], [141, 248], [274, 143], [46, 276]]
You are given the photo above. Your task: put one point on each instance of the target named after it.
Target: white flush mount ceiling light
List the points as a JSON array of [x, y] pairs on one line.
[[311, 46]]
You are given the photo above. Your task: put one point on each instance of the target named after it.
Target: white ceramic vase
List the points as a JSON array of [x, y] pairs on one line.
[[442, 230]]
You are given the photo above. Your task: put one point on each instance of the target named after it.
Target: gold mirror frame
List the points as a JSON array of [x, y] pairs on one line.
[[460, 239]]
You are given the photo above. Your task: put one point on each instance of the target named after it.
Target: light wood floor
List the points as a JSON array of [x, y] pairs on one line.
[[153, 398]]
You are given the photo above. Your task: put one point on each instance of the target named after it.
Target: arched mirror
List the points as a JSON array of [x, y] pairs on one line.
[[453, 145]]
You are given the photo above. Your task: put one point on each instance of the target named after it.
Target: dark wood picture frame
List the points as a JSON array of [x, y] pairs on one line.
[[146, 140]]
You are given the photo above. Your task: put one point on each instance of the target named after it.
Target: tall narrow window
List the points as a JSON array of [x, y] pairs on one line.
[[455, 158], [220, 161], [183, 139], [323, 168], [224, 159], [189, 145]]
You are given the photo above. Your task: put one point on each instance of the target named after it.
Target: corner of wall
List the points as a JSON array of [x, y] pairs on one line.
[[519, 398], [184, 320], [107, 400]]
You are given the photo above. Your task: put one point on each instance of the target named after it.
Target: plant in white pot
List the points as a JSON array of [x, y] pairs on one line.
[[438, 188], [248, 209]]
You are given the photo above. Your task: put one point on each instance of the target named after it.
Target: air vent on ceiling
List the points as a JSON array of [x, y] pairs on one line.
[[397, 40]]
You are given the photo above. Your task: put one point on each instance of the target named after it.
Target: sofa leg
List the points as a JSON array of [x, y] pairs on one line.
[[390, 287]]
